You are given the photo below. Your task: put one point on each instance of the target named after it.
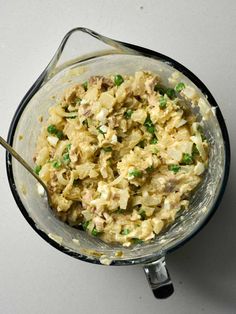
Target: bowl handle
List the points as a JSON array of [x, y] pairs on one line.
[[159, 279], [81, 44]]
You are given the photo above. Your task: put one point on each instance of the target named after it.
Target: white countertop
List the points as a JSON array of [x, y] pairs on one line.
[[35, 278]]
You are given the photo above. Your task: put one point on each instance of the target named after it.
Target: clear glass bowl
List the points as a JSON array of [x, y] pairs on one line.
[[84, 53]]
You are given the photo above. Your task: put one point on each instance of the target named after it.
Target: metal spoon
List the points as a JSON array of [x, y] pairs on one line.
[[27, 167]]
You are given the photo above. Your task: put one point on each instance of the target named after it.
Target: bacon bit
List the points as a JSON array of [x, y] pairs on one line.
[[116, 197], [94, 80], [112, 121], [101, 82], [87, 113], [150, 84], [170, 185]]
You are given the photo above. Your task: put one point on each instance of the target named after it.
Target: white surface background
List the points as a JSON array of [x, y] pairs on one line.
[[36, 278]]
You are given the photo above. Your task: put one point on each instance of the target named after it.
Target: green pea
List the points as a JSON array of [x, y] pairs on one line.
[[128, 113], [85, 225], [52, 129], [187, 159], [149, 125], [170, 92], [56, 164], [148, 121], [135, 173], [174, 168], [160, 89], [66, 158], [125, 231], [153, 140], [151, 129], [118, 80], [180, 86], [95, 232], [60, 134], [163, 102], [143, 215], [37, 169]]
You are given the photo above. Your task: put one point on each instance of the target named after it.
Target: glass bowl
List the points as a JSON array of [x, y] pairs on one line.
[[84, 53]]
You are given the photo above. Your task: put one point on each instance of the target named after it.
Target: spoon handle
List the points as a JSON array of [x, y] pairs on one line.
[[24, 164], [17, 156]]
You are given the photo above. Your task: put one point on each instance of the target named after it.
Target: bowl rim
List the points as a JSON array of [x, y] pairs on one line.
[[143, 52]]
